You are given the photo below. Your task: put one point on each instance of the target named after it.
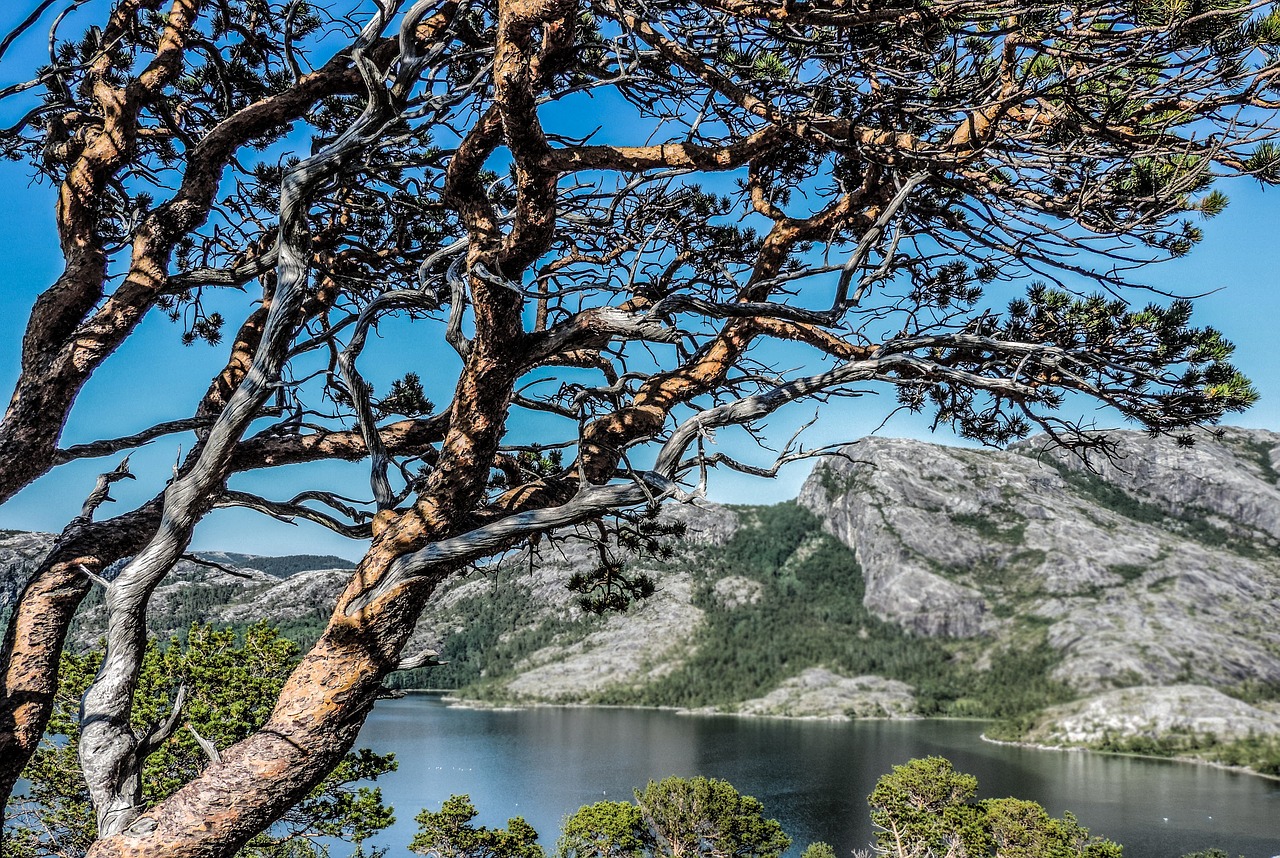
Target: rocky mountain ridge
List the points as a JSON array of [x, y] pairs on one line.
[[907, 578], [1160, 566]]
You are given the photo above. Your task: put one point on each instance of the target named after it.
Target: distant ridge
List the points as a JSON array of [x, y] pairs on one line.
[[280, 567], [906, 579]]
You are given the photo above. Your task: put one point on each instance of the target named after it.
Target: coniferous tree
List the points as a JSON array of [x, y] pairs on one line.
[[943, 202], [221, 687]]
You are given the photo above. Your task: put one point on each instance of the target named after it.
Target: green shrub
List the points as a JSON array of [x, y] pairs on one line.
[[926, 807]]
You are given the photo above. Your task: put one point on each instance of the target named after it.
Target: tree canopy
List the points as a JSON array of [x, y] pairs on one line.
[[448, 833], [925, 808], [675, 817], [599, 231]]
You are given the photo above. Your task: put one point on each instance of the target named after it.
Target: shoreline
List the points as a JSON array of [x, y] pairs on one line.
[[1175, 758], [447, 696]]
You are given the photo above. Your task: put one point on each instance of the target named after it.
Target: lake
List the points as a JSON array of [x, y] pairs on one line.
[[814, 777]]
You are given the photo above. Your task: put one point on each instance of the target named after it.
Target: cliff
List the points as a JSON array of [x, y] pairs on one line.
[[906, 579]]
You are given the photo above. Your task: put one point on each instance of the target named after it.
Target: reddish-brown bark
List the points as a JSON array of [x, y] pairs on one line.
[[66, 338], [44, 609], [320, 712]]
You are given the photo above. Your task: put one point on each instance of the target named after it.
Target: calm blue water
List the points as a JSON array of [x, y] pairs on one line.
[[814, 777]]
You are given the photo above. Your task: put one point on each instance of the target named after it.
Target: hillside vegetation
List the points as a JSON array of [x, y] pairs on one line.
[[907, 579]]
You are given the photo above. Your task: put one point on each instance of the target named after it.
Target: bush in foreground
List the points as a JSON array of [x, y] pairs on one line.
[[675, 817], [926, 808]]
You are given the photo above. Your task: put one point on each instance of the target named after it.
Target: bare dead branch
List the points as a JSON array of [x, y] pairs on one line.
[[221, 567], [210, 749], [291, 511], [106, 447], [426, 658], [102, 489]]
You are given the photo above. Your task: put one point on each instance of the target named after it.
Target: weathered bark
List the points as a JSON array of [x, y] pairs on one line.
[[38, 627], [62, 349], [50, 377], [324, 702], [111, 752], [315, 723], [43, 611], [262, 776], [31, 428], [326, 699]]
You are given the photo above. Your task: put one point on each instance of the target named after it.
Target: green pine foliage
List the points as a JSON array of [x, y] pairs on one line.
[[675, 817], [606, 829], [685, 813], [448, 833], [922, 809], [613, 585], [1257, 753], [926, 807], [232, 682], [406, 397]]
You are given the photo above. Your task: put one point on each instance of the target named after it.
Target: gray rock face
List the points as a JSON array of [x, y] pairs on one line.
[[706, 523], [630, 649], [1158, 573], [819, 693], [1188, 710], [1233, 480], [191, 592], [297, 596], [589, 655], [20, 553], [875, 499], [734, 591], [1163, 569]]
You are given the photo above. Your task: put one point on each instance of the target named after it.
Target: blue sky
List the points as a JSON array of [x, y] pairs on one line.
[[153, 377]]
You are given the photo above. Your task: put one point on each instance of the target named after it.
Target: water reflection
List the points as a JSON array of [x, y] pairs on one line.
[[813, 776]]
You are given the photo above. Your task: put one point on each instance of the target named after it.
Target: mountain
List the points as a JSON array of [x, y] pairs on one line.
[[1161, 566], [294, 592], [1128, 604]]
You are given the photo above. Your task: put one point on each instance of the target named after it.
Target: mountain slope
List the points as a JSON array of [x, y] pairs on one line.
[[1161, 568], [294, 592], [907, 578]]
